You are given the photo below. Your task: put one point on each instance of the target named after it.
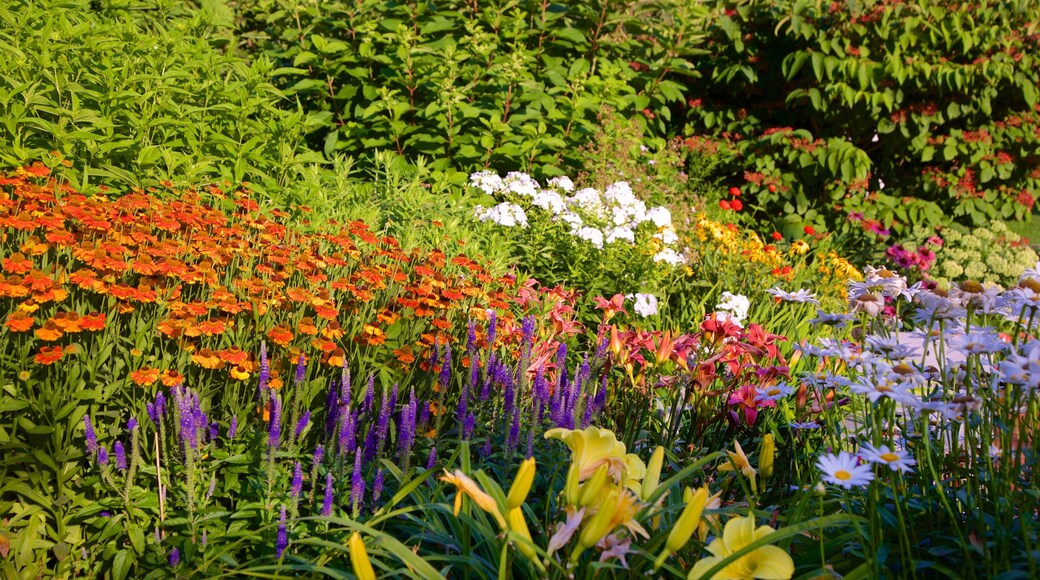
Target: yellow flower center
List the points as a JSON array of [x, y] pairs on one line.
[[772, 392], [889, 457], [842, 475]]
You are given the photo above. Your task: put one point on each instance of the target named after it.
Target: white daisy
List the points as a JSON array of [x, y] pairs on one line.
[[842, 469], [895, 459], [800, 296]]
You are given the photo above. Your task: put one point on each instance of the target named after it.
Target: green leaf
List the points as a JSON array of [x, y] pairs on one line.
[[121, 565]]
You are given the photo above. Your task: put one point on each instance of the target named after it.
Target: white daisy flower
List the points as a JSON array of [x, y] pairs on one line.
[[842, 469], [800, 296], [983, 341], [895, 459]]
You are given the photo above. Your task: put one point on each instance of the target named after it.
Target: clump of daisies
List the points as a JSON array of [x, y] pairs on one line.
[[599, 218]]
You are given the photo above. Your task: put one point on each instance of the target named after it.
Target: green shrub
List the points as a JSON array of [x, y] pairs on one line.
[[902, 111], [135, 95], [990, 255], [511, 85]]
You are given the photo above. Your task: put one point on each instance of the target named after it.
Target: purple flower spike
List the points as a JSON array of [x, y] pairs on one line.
[[153, 416], [467, 426], [326, 505], [301, 370], [265, 369], [232, 428], [492, 330], [214, 431], [370, 394], [160, 405], [319, 454], [131, 424], [445, 376], [302, 423], [120, 456], [90, 435], [102, 456], [347, 431], [175, 558], [514, 430], [431, 461], [377, 488], [283, 536], [297, 480], [357, 485], [274, 433], [471, 336]]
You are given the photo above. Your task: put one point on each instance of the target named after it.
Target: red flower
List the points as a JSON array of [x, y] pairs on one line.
[[809, 231], [777, 236], [724, 204], [736, 205], [48, 355], [734, 191]]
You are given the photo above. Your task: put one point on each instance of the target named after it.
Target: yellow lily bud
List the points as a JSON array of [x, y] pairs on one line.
[[521, 485], [570, 489], [359, 559], [518, 524], [685, 525], [765, 456], [653, 473], [592, 488], [599, 526]]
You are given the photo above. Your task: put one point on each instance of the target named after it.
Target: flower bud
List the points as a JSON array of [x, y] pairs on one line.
[[570, 489], [521, 485], [593, 486], [359, 559], [599, 526], [685, 525], [653, 473], [518, 524], [765, 456]]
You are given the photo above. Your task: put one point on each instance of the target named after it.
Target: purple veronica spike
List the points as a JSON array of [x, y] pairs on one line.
[[467, 426], [301, 370], [212, 487], [160, 405], [175, 558], [530, 443], [297, 480], [601, 350], [188, 434], [131, 424], [302, 423], [471, 336], [384, 420], [508, 396], [474, 372], [232, 428], [586, 419], [153, 416], [492, 330], [485, 449], [265, 369], [377, 487], [214, 431], [371, 441], [102, 456], [431, 461], [370, 394], [514, 430], [332, 411], [347, 431], [435, 353], [357, 485], [445, 376], [274, 433], [601, 396], [90, 435], [492, 372], [283, 536], [527, 327], [424, 415], [326, 505], [344, 384], [120, 456], [393, 399], [319, 454], [406, 427]]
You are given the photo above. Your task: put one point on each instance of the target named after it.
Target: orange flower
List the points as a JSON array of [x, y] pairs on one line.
[[68, 321], [280, 335], [48, 355], [307, 326], [234, 356], [335, 358], [441, 323], [323, 345], [212, 326], [207, 359], [49, 331], [404, 355], [325, 309], [332, 331], [371, 334], [144, 376], [172, 378], [19, 321], [92, 321], [239, 372], [17, 264]]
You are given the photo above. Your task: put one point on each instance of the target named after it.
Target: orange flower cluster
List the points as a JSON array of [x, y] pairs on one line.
[[214, 276]]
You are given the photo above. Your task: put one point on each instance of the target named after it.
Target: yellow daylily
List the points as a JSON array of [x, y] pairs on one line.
[[765, 456], [687, 523], [466, 486], [739, 460], [590, 448], [653, 473], [635, 471], [766, 562], [521, 485]]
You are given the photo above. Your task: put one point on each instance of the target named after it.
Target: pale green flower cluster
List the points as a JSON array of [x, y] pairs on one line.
[[987, 255]]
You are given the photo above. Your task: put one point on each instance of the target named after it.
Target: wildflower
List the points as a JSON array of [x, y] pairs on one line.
[[1022, 368], [90, 436], [764, 562], [801, 296], [357, 485], [49, 331], [843, 469], [978, 342], [687, 523], [591, 448], [175, 558], [738, 460], [120, 452], [102, 456], [19, 321], [737, 305], [232, 428], [283, 536], [799, 247], [896, 460], [297, 480], [466, 486], [645, 304], [326, 504], [48, 355], [521, 484], [144, 376]]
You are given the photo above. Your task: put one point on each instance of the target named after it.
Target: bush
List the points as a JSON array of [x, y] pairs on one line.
[[902, 111]]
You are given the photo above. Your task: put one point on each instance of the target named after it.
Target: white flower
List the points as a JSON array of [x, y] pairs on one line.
[[573, 219], [842, 469], [549, 200], [660, 216], [736, 304], [983, 341], [774, 392], [504, 214], [621, 233], [592, 235], [646, 304], [724, 316], [895, 459], [563, 183], [487, 181], [801, 296], [667, 236], [521, 184], [972, 293], [669, 256], [589, 200], [835, 320], [1023, 368], [620, 193], [874, 389], [891, 347]]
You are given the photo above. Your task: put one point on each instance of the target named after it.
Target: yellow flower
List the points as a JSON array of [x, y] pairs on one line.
[[591, 448], [518, 524], [687, 522], [653, 473], [521, 485], [466, 486], [359, 559], [635, 471], [766, 562], [765, 455], [799, 247], [739, 460]]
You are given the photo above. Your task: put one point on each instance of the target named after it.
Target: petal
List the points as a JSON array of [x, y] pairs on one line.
[[703, 566], [739, 532], [771, 563]]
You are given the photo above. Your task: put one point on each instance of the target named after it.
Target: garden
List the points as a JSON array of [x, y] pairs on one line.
[[727, 289]]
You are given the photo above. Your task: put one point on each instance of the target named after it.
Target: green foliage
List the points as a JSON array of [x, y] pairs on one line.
[[822, 106], [134, 95], [990, 255], [504, 86]]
